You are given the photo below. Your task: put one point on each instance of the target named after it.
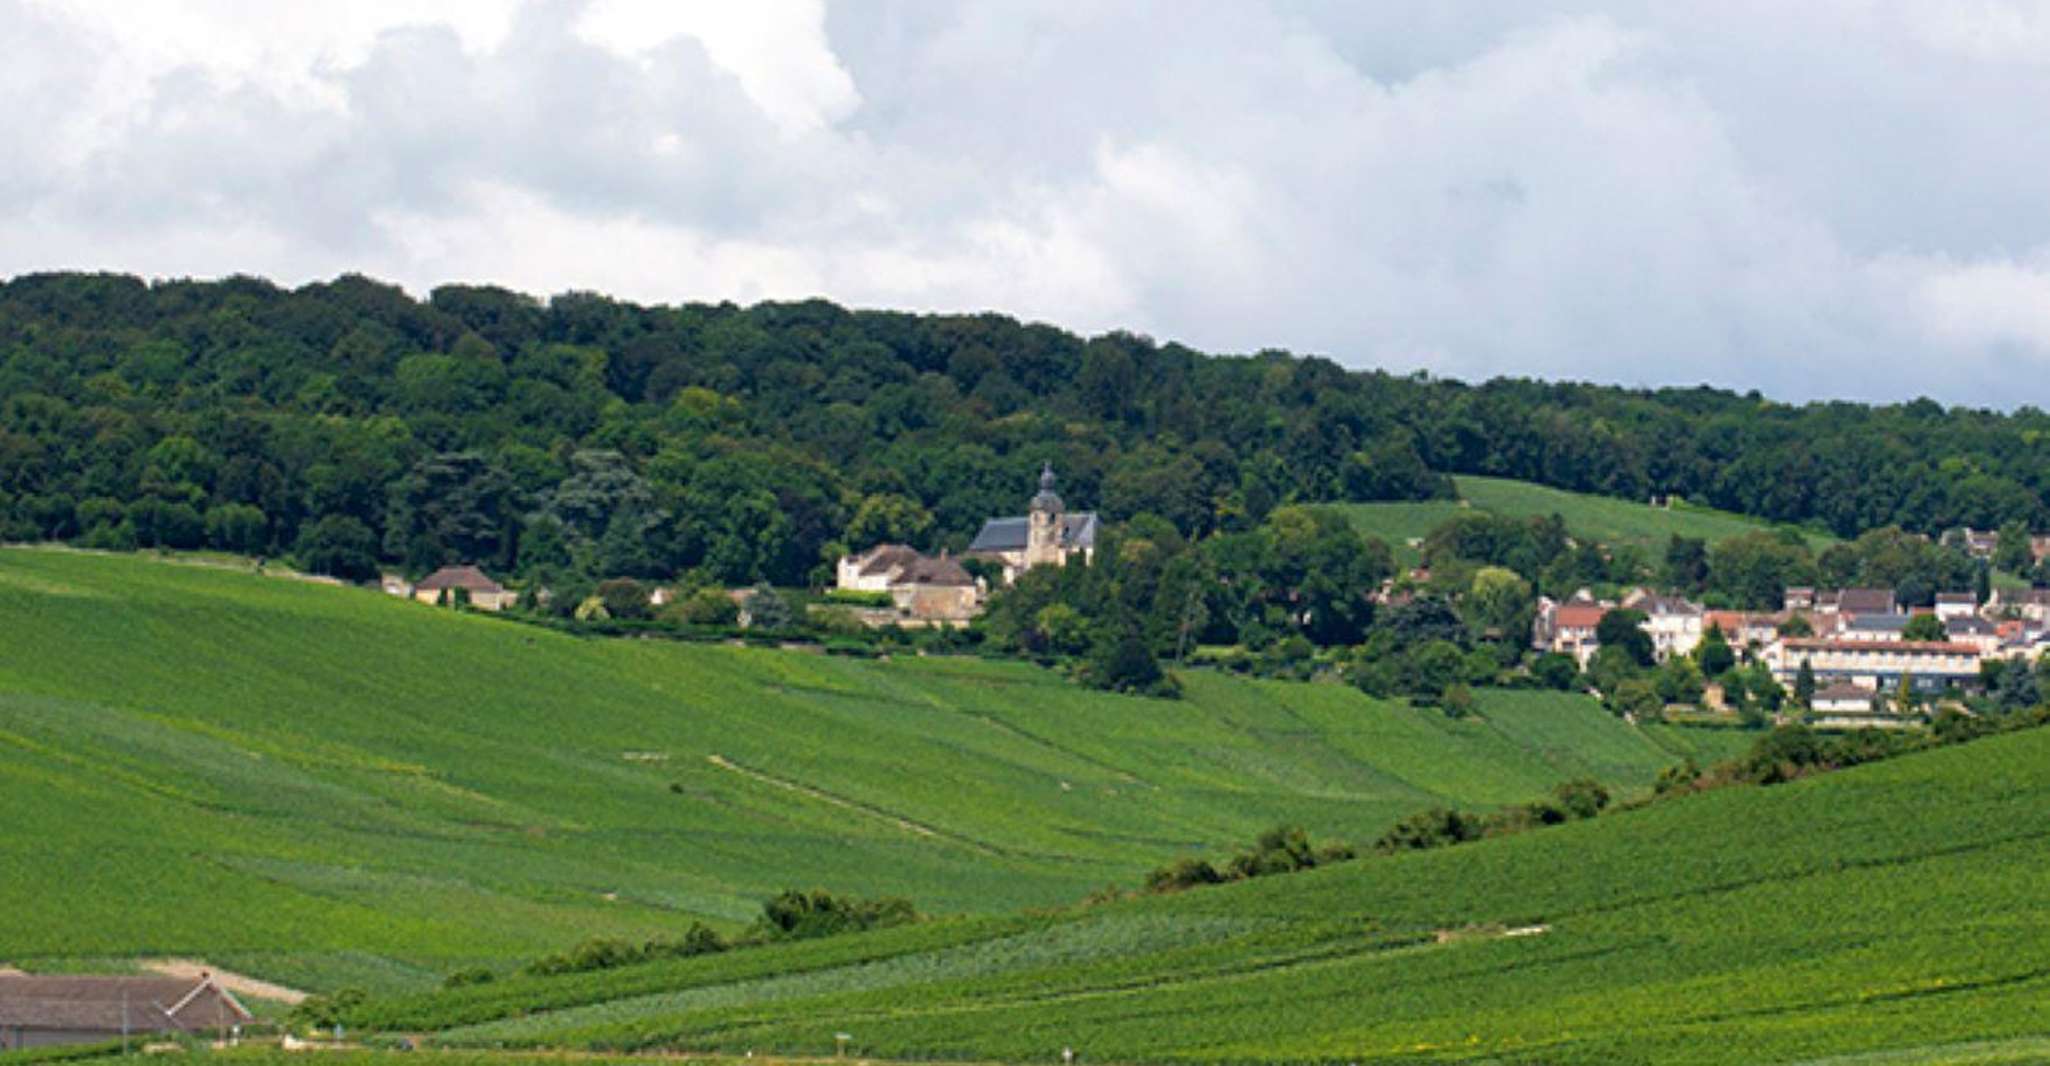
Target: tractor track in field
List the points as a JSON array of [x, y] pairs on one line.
[[908, 825]]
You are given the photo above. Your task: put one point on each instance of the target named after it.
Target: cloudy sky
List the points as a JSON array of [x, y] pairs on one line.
[[1831, 198]]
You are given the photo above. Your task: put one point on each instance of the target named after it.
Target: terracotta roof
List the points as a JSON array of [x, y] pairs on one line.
[[1578, 615], [98, 1004], [458, 577]]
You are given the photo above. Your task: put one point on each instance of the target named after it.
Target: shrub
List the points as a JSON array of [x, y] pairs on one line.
[[1433, 828], [1181, 874], [623, 598], [473, 975], [798, 915]]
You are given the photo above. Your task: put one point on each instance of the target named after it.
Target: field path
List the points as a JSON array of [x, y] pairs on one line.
[[240, 984], [901, 822]]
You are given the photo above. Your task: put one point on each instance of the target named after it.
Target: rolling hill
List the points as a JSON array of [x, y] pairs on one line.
[[330, 787], [1890, 913], [1598, 518]]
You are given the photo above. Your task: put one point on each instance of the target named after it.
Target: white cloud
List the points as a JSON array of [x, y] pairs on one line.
[[1828, 199]]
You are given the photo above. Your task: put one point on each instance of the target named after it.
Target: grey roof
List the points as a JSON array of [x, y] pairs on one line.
[[926, 570], [1971, 623], [881, 558], [1957, 597], [1865, 601], [1008, 534], [1885, 623], [458, 577], [98, 1004]]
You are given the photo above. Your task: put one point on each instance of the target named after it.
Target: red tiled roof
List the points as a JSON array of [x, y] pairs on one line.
[[1578, 615]]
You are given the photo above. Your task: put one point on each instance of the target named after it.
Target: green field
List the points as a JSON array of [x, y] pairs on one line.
[[1597, 518], [330, 787], [1891, 913]]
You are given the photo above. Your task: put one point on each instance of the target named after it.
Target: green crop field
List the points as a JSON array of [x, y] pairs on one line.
[[1598, 518], [1891, 913], [329, 787]]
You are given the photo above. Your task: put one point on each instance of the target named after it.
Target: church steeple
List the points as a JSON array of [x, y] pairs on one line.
[[1043, 525]]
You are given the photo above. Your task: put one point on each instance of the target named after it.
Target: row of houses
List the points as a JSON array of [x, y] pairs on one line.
[[1855, 645], [1983, 543]]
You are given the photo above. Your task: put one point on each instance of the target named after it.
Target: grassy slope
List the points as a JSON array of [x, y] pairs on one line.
[[1598, 518], [1896, 907], [329, 786]]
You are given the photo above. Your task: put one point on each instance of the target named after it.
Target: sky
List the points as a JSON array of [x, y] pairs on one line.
[[1826, 199]]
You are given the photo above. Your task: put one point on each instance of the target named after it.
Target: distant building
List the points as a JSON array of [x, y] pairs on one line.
[[1951, 605], [928, 589], [1673, 623], [1048, 535], [2032, 604], [1933, 665], [1569, 628], [1798, 598], [1864, 601], [41, 1011], [1845, 706], [1872, 627], [444, 584]]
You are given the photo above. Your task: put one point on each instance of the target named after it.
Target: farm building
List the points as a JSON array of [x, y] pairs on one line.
[[39, 1011], [447, 583]]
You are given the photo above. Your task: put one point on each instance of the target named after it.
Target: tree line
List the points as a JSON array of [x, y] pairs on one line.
[[355, 426]]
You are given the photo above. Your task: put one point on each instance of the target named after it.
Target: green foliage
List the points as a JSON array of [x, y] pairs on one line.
[[392, 793], [338, 545], [765, 608], [1623, 630], [797, 915], [1925, 627], [608, 953], [1714, 653]]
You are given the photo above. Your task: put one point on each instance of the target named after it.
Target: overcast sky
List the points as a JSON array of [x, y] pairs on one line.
[[1817, 199]]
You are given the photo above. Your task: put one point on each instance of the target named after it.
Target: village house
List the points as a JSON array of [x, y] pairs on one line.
[[1569, 628], [1743, 629], [1845, 706], [2030, 604], [1975, 631], [1798, 598], [1951, 605], [924, 589], [1933, 665], [1047, 535], [1674, 624], [41, 1011], [1872, 627], [450, 583]]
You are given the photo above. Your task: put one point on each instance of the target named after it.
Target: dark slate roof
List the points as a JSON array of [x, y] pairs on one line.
[[1969, 624], [1958, 598], [1884, 623], [458, 577], [96, 1004], [1008, 534]]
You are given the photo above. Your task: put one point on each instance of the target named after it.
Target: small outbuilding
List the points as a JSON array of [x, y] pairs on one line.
[[40, 1011], [446, 584]]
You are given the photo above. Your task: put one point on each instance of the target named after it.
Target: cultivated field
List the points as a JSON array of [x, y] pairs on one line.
[[1893, 911], [1597, 518], [327, 787]]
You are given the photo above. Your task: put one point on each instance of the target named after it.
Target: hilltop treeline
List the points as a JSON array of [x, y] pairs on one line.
[[355, 425]]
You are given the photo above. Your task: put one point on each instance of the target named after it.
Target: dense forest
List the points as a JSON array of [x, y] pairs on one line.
[[356, 426]]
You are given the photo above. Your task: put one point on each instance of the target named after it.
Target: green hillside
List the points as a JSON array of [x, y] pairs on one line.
[[1598, 518], [330, 787], [1893, 908]]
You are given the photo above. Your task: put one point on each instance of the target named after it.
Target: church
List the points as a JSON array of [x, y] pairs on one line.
[[1047, 536]]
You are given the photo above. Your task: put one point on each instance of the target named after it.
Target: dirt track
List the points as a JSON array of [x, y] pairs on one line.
[[237, 983]]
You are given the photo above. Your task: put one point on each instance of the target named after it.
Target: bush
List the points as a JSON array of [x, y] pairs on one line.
[[1181, 874], [606, 953], [797, 915], [1582, 798], [624, 598], [705, 607], [1433, 828], [1555, 671], [465, 978], [860, 598]]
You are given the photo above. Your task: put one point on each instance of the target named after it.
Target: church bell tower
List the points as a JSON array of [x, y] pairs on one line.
[[1043, 526]]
